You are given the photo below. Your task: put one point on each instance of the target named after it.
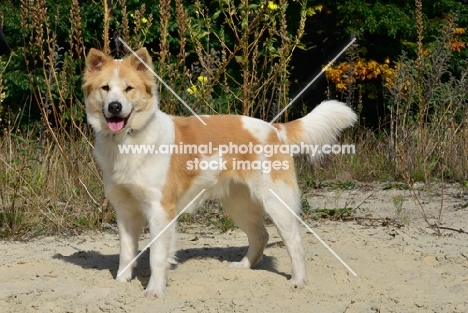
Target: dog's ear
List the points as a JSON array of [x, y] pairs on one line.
[[141, 60], [96, 60]]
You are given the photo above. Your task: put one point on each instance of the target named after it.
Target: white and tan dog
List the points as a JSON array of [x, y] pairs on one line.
[[122, 107]]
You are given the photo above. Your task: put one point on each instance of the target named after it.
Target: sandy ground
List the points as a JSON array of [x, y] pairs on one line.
[[400, 269]]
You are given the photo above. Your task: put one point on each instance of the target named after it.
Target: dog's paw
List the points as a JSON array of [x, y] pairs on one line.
[[297, 281], [156, 287], [172, 260], [244, 263], [153, 293], [124, 278]]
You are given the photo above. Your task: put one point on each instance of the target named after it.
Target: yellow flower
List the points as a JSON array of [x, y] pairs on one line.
[[272, 6], [202, 79], [313, 10], [341, 86], [192, 89], [143, 20]]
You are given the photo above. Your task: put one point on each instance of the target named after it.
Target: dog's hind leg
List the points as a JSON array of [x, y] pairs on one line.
[[288, 227], [247, 214]]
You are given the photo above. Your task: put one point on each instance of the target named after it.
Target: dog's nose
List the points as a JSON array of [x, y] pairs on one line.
[[114, 107]]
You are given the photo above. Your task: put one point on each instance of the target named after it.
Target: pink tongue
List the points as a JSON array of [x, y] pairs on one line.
[[115, 124]]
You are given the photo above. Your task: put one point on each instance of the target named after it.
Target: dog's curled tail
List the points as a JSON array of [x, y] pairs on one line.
[[319, 128]]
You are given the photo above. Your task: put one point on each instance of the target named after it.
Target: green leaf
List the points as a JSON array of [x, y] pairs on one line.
[[19, 138], [216, 14], [301, 46], [200, 36], [245, 22], [239, 59]]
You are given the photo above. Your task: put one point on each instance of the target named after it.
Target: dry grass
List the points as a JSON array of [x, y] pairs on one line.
[[44, 193], [50, 183]]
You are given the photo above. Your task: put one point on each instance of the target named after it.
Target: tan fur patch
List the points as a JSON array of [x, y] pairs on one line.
[[189, 131], [287, 176], [294, 130]]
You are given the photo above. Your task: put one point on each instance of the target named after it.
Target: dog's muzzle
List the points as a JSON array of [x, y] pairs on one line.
[[116, 122]]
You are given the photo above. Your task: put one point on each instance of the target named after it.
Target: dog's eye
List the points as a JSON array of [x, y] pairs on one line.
[[128, 88], [105, 87]]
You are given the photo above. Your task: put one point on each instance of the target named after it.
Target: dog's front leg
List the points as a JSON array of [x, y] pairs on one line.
[[130, 223], [160, 251]]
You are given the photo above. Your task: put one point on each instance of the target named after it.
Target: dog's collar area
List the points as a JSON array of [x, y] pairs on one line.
[[131, 131]]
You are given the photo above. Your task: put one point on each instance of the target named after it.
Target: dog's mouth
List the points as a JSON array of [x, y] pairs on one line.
[[117, 123]]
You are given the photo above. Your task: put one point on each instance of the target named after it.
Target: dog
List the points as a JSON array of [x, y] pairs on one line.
[[122, 106]]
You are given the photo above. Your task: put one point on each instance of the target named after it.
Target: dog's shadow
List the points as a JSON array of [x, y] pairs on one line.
[[96, 260]]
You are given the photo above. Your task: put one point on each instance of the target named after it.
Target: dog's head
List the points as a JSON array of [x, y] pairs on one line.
[[120, 95]]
